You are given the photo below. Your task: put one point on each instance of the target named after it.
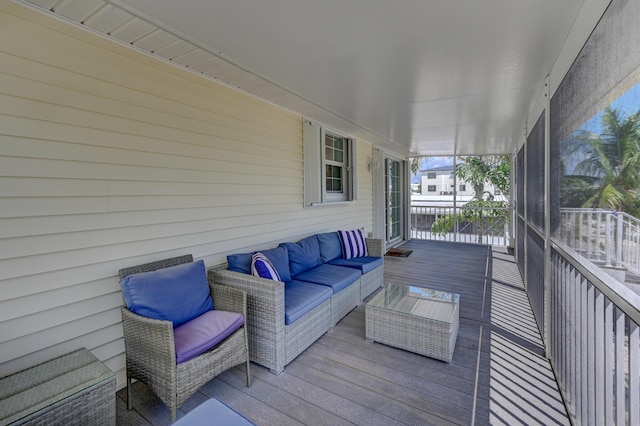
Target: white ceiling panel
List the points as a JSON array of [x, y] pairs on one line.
[[413, 76], [107, 19], [194, 56], [46, 4], [78, 10], [155, 40], [174, 49], [132, 30]]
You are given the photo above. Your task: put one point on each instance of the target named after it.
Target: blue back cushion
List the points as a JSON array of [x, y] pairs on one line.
[[178, 293], [239, 262], [279, 257], [330, 247], [303, 255]]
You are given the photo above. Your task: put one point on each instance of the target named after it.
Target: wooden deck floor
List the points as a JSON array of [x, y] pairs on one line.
[[498, 374]]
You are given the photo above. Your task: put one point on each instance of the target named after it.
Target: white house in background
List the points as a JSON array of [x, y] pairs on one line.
[[439, 181]]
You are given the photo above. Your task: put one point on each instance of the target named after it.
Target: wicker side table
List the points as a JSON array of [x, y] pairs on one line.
[[74, 389], [415, 319]]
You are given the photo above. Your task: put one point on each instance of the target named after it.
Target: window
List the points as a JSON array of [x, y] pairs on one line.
[[431, 188], [334, 163], [497, 192], [431, 175], [463, 188], [329, 165]]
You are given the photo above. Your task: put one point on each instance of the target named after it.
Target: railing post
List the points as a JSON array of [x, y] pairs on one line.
[[620, 224], [589, 228], [608, 232]]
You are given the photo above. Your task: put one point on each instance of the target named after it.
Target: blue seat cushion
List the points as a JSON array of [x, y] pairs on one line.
[[330, 247], [301, 297], [364, 264], [177, 293], [204, 332], [279, 257], [335, 277], [303, 255]]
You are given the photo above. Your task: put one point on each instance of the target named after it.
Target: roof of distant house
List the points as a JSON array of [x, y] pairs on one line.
[[438, 169]]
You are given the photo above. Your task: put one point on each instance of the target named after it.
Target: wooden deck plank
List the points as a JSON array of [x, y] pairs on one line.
[[498, 374]]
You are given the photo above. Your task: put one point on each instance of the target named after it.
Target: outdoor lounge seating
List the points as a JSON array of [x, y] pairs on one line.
[[179, 330], [315, 286]]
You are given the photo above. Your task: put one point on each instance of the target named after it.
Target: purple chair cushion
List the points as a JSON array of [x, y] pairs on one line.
[[204, 332]]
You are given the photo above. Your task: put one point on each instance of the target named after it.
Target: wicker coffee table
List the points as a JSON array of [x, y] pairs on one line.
[[415, 319]]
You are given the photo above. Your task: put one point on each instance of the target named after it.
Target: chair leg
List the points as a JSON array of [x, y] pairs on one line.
[[248, 372], [129, 394], [173, 415]]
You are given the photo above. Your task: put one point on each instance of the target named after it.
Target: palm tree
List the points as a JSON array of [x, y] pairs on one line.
[[612, 159]]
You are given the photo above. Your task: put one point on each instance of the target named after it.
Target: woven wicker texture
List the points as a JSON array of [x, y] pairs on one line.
[[150, 349], [344, 301], [74, 389], [425, 326], [272, 343]]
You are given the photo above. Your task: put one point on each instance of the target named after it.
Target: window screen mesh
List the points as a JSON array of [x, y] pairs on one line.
[[600, 93], [520, 181], [535, 174]]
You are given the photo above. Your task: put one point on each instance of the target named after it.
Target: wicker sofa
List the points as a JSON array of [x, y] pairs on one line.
[[285, 317]]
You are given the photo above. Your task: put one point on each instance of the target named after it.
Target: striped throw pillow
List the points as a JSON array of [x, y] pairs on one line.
[[261, 266], [353, 244]]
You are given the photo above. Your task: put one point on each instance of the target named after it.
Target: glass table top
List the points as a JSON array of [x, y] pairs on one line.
[[416, 300]]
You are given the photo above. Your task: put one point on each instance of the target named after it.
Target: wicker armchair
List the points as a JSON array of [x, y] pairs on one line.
[[151, 354]]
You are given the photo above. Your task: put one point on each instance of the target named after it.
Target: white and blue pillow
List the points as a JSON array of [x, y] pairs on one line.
[[261, 266], [353, 243]]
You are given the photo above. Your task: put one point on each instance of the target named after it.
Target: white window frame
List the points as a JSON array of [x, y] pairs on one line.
[[315, 165]]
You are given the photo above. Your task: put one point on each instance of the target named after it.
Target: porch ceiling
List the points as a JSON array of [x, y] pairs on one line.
[[416, 77]]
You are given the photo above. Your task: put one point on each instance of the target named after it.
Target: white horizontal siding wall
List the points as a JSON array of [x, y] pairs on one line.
[[111, 158]]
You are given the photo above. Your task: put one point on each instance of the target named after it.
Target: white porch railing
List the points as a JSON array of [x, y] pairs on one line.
[[593, 342], [494, 232], [605, 237]]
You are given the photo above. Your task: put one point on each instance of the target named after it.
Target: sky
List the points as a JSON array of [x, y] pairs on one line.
[[429, 162], [628, 103]]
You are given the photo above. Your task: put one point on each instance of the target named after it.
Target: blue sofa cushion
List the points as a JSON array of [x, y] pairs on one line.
[[204, 332], [262, 267], [330, 247], [301, 297], [353, 243], [364, 264], [279, 257], [303, 255], [239, 262], [178, 293], [335, 277]]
